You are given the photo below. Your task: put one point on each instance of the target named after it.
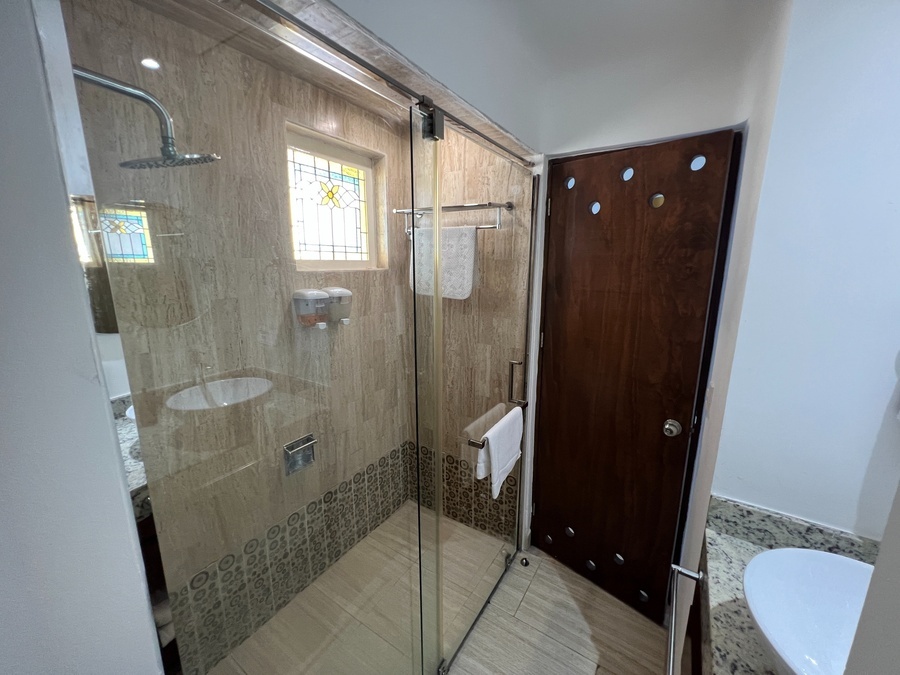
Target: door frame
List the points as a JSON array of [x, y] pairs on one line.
[[715, 356]]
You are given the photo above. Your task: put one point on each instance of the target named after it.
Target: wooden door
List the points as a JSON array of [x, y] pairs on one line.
[[629, 270]]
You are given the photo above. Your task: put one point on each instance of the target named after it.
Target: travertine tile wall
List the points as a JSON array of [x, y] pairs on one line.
[[483, 333], [486, 331], [218, 299]]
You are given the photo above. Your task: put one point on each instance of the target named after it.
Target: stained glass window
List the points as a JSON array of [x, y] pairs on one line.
[[126, 235], [329, 207]]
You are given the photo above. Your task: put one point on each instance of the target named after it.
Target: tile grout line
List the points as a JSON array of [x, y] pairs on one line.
[[562, 646], [527, 589]]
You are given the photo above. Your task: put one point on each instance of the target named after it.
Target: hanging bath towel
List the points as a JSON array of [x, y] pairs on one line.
[[502, 449], [458, 249]]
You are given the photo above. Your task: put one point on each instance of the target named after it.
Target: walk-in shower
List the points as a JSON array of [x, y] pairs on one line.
[[170, 155], [378, 548]]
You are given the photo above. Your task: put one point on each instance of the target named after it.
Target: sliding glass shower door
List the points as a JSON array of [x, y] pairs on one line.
[[471, 238], [425, 265]]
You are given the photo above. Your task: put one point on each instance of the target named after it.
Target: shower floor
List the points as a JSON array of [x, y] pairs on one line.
[[545, 619], [362, 614]]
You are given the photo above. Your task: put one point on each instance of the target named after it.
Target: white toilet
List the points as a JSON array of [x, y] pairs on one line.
[[806, 605]]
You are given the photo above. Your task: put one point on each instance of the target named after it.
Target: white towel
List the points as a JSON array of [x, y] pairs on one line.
[[162, 613], [458, 249], [502, 449], [477, 429], [166, 634]]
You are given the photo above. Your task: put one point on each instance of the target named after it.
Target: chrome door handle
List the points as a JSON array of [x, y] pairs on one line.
[[512, 374], [672, 428]]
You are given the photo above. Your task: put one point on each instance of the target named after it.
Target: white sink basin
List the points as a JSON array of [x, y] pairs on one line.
[[806, 605], [219, 394]]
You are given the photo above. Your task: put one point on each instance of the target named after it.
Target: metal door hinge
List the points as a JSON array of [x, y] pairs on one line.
[[533, 509], [548, 207], [433, 127], [542, 340]]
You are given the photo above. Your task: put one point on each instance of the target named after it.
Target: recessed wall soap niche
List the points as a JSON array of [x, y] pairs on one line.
[[315, 308]]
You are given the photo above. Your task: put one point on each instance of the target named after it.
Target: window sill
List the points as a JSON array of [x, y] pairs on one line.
[[336, 266]]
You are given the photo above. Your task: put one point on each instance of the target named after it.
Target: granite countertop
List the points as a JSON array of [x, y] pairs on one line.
[[129, 444]]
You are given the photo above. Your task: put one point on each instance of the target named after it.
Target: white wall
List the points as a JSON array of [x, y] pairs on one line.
[[810, 427], [72, 593], [112, 359]]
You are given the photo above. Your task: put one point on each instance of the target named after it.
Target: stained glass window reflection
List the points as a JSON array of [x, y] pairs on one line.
[[79, 212], [126, 235], [329, 209]]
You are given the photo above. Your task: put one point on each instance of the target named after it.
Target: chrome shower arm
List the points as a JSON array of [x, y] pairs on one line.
[[166, 125]]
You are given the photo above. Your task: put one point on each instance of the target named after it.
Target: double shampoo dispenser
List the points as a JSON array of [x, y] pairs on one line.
[[315, 307]]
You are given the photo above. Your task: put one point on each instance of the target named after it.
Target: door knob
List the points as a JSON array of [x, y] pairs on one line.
[[672, 428]]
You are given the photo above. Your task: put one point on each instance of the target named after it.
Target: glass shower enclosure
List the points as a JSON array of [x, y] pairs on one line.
[[321, 309]]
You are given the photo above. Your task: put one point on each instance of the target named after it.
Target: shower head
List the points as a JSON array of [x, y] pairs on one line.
[[170, 156], [166, 162]]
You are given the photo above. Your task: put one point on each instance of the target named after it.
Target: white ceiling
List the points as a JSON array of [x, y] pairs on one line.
[[574, 74]]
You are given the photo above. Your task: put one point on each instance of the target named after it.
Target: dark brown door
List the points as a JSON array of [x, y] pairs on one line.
[[630, 266]]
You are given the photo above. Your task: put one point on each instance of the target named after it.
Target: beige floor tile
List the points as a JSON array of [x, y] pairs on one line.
[[359, 650], [503, 644], [295, 637], [227, 666], [362, 614], [578, 614], [400, 532], [394, 614], [510, 593], [354, 580], [455, 632], [466, 559]]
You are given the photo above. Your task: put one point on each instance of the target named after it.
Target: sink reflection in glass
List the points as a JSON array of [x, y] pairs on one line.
[[218, 394]]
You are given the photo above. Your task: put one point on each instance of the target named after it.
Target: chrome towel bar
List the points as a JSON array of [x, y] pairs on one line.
[[418, 213], [471, 442], [675, 574]]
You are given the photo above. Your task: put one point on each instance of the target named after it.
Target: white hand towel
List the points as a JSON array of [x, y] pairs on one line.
[[477, 429], [458, 249], [502, 449]]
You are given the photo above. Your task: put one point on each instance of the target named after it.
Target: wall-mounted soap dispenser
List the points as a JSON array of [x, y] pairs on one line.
[[341, 302], [311, 307]]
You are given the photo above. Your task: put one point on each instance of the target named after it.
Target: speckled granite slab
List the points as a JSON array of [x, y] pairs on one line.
[[129, 444], [735, 534], [776, 530]]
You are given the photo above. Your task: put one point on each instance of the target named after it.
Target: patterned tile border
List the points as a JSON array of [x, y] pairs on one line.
[[225, 603], [467, 499]]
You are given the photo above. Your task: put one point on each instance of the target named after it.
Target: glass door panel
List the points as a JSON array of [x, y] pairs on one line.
[[484, 320], [423, 225], [470, 269]]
